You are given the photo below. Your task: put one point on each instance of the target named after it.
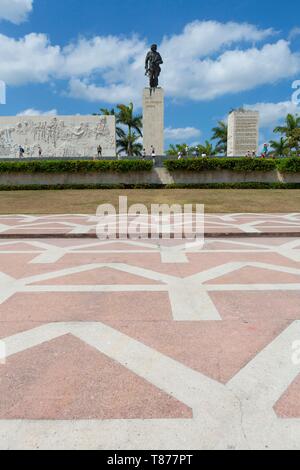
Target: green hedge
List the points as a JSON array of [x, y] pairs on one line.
[[232, 164], [75, 166], [61, 187], [288, 165]]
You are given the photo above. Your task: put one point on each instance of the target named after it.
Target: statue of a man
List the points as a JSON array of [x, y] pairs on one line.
[[152, 65]]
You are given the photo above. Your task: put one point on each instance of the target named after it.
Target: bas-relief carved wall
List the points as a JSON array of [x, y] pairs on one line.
[[61, 136]]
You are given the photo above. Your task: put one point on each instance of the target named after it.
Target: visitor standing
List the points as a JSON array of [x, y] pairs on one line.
[[40, 151], [266, 150], [153, 155], [144, 154], [21, 152]]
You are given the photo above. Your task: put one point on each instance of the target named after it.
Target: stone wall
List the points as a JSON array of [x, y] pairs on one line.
[[158, 176], [61, 136]]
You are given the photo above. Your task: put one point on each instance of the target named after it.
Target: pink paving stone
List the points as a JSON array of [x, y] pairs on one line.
[[67, 379], [288, 406], [25, 309], [217, 349], [119, 246], [252, 306], [197, 261], [17, 265], [11, 328], [222, 245], [254, 275], [18, 246], [97, 276]]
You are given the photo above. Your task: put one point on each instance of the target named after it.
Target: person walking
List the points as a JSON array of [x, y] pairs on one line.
[[40, 151], [144, 154], [99, 151]]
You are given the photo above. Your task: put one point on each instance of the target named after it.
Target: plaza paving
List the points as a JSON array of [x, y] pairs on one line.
[[141, 345]]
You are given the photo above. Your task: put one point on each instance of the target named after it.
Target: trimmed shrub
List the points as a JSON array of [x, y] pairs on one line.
[[61, 187], [75, 166], [289, 165], [211, 164]]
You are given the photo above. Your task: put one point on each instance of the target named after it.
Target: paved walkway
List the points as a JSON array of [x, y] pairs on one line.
[[132, 345], [85, 225]]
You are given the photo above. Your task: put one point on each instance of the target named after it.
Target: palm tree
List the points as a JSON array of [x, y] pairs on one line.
[[128, 143], [108, 112], [291, 123], [175, 149], [289, 130], [220, 133], [280, 148], [207, 149], [126, 117]]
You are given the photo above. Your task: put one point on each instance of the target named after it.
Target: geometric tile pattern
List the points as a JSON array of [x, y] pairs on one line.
[[130, 345], [76, 224]]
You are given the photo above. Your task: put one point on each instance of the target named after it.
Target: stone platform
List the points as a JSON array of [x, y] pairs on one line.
[[133, 345]]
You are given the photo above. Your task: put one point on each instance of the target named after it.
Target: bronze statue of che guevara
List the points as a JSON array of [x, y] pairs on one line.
[[152, 65]]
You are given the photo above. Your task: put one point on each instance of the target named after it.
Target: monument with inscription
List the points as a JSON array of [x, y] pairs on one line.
[[243, 133], [59, 136], [153, 105]]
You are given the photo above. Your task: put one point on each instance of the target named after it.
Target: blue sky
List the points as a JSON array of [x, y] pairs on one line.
[[70, 57]]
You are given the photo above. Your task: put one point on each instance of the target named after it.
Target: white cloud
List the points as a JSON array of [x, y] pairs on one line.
[[181, 134], [15, 11], [295, 32], [101, 54], [202, 38], [233, 71], [272, 114], [29, 59], [35, 112], [110, 94], [207, 60]]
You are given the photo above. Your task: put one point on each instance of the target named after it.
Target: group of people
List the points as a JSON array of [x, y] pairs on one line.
[[22, 151], [264, 154], [195, 154], [152, 153]]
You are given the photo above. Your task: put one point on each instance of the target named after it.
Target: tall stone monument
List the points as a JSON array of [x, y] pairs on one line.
[[243, 132], [153, 120], [153, 105]]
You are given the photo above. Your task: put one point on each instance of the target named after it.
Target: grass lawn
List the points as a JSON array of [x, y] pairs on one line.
[[86, 201]]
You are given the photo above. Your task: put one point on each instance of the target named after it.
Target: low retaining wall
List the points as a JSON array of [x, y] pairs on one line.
[[226, 176], [158, 176]]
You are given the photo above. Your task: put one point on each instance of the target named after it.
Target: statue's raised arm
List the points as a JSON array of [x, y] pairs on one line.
[[152, 65]]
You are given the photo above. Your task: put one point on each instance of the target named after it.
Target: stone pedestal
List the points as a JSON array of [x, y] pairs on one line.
[[243, 132], [153, 120]]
